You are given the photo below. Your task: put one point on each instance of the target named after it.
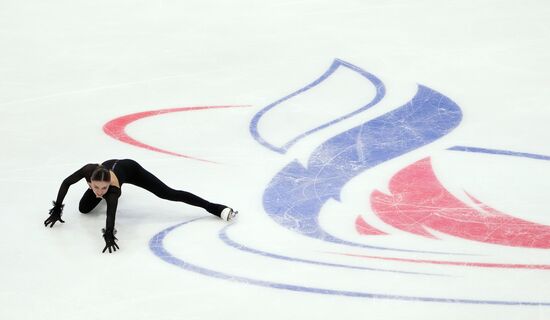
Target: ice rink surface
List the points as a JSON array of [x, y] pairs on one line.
[[389, 159]]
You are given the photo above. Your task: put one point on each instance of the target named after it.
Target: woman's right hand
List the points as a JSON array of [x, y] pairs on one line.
[[55, 215], [109, 236]]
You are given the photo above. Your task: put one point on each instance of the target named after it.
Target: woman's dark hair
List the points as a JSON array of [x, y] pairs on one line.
[[101, 174]]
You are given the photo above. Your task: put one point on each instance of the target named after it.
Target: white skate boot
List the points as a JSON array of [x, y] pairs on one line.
[[228, 214]]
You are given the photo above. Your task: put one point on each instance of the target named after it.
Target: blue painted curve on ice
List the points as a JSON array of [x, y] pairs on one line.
[[225, 238], [380, 92], [156, 244], [296, 194]]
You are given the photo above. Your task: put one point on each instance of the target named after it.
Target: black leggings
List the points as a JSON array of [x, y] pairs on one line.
[[140, 177]]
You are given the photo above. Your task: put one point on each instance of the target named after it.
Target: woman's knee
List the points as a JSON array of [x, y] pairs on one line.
[[85, 208], [88, 203]]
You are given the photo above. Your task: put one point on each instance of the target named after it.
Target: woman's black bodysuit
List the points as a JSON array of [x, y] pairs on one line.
[[129, 171]]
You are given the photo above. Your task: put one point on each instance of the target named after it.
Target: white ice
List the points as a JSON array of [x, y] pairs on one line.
[[68, 67]]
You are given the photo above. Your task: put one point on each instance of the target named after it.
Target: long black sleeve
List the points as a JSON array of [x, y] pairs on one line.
[[72, 179], [111, 197]]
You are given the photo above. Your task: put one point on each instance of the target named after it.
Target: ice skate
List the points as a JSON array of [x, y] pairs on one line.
[[228, 214]]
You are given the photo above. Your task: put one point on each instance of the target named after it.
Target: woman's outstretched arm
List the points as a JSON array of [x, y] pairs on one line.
[[111, 197], [57, 210], [72, 179]]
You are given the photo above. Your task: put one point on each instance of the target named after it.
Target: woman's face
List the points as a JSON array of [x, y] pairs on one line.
[[100, 188]]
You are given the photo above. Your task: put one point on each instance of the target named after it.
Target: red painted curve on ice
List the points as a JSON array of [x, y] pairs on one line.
[[116, 128], [418, 200], [364, 228]]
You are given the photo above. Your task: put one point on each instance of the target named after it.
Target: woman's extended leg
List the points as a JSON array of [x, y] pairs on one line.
[[149, 182], [88, 202]]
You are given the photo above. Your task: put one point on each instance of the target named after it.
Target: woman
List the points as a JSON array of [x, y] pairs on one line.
[[105, 181]]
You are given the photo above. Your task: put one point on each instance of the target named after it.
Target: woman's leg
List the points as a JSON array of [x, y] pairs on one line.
[[149, 182], [88, 202]]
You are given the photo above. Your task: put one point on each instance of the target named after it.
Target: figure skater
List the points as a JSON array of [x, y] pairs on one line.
[[105, 182]]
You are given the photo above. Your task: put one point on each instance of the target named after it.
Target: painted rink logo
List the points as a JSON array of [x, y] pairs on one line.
[[411, 228]]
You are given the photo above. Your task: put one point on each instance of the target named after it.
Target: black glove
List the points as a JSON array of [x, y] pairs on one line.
[[109, 236], [55, 214]]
